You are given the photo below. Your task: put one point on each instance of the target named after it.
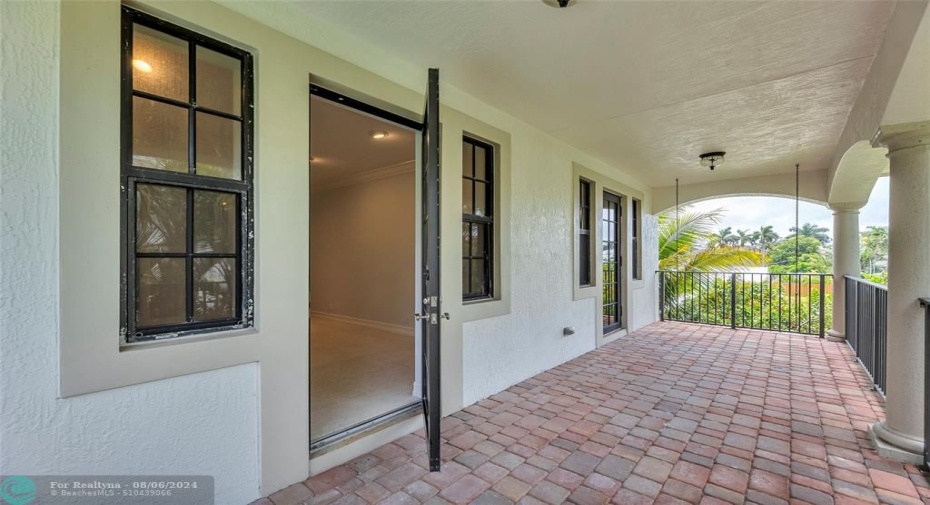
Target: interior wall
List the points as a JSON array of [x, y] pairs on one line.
[[362, 250]]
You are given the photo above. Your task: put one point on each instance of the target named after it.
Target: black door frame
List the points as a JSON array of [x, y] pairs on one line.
[[430, 316], [615, 271], [354, 429]]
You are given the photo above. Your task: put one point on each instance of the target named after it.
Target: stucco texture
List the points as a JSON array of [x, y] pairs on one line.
[[203, 424], [501, 351]]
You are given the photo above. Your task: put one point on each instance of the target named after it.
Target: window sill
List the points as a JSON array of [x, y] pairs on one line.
[[484, 308], [585, 292], [187, 339], [477, 301]]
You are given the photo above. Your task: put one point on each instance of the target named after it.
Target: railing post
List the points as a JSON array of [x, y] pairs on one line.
[[823, 308], [733, 301], [661, 296], [925, 303]]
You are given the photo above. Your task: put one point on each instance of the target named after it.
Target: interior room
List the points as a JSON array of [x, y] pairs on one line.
[[362, 267]]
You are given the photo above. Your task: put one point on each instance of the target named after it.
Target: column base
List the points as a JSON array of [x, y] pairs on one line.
[[835, 336], [896, 446]]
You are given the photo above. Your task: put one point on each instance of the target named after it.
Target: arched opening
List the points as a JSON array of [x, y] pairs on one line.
[[752, 223]]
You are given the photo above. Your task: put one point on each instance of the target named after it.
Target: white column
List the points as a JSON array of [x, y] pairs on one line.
[[845, 261], [900, 435]]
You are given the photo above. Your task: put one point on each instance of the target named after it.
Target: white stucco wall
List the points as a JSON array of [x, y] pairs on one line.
[[501, 351], [197, 424], [644, 296]]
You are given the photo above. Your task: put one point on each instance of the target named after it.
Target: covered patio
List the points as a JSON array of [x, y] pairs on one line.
[[674, 413]]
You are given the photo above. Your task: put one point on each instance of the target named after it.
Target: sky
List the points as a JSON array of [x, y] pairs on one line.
[[753, 212]]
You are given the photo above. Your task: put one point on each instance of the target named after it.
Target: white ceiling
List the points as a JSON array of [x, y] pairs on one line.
[[647, 85], [342, 148]]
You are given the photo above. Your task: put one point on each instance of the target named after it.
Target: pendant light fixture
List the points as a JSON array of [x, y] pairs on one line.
[[712, 159], [561, 4]]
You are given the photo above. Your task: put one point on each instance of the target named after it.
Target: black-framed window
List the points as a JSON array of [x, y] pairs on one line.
[[584, 233], [637, 229], [186, 181], [477, 219]]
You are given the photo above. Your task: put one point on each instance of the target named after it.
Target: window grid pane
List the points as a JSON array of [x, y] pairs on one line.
[[160, 63], [477, 219], [159, 135]]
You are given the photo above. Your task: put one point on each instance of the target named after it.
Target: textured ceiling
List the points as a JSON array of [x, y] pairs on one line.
[[342, 148], [647, 85]]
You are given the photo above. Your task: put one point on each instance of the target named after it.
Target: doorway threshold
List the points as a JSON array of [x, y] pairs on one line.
[[344, 437]]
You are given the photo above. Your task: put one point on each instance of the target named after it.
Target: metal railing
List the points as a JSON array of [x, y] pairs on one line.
[[791, 303], [925, 303], [867, 327]]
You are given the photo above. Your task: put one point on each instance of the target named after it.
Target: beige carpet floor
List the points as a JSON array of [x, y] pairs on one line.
[[356, 373]]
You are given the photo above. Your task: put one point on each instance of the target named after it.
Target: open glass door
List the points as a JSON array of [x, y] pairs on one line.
[[430, 313], [612, 261]]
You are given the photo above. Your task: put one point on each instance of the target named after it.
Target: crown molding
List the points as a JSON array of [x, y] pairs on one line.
[[367, 176]]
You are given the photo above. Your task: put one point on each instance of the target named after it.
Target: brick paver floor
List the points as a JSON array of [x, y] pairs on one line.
[[674, 413]]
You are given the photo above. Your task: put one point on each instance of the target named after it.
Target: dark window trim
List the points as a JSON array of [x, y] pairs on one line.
[[585, 188], [131, 175], [636, 215], [487, 220]]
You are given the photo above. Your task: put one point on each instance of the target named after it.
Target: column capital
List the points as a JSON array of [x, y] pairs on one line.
[[903, 136], [850, 207]]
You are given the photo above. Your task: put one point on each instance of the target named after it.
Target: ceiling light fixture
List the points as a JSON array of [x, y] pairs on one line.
[[378, 134], [712, 159], [561, 4], [142, 66]]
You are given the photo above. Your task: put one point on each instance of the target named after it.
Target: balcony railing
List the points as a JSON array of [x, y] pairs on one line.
[[792, 303], [867, 327]]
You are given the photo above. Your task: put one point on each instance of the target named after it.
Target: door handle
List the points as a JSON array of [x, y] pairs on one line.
[[418, 317], [445, 315]]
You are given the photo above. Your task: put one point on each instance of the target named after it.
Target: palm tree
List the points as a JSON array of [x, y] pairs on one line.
[[766, 238], [681, 241], [744, 238], [812, 231], [723, 237]]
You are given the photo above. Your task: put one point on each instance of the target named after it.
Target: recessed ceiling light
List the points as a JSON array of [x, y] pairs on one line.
[[142, 66], [378, 134]]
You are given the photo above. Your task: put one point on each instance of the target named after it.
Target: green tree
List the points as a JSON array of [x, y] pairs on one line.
[[812, 231], [811, 258], [684, 244], [873, 246], [765, 239]]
